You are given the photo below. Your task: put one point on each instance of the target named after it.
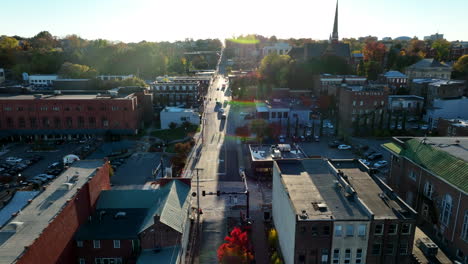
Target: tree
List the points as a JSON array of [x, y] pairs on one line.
[[259, 127], [77, 71], [275, 69], [442, 49], [134, 81], [461, 66], [243, 132], [172, 125], [374, 51], [417, 48], [236, 249], [8, 43], [372, 69], [272, 237]]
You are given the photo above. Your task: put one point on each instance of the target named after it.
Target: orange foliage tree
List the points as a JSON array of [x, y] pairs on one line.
[[236, 249]]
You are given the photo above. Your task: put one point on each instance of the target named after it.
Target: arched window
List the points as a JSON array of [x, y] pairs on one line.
[[464, 234], [446, 211]]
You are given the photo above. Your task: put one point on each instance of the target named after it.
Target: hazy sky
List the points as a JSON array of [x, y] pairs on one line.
[[169, 20]]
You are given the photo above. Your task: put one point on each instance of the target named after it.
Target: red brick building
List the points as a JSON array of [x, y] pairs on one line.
[[42, 232], [71, 116], [358, 106], [127, 223], [431, 174]]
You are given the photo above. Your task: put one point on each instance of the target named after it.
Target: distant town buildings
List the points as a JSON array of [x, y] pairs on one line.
[[42, 80], [452, 127], [262, 157], [429, 68], [43, 231], [279, 48], [394, 80], [282, 111], [334, 211], [55, 116], [128, 225], [430, 174], [412, 104], [114, 77], [178, 116], [184, 91], [433, 37], [458, 49], [330, 84]]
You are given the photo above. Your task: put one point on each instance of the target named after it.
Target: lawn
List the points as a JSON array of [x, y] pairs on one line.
[[173, 134]]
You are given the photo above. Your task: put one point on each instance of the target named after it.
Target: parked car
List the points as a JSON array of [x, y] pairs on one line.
[[334, 144], [316, 138], [42, 179], [380, 164], [424, 127], [13, 160], [43, 175], [375, 156], [39, 182], [365, 162], [368, 153], [344, 147]]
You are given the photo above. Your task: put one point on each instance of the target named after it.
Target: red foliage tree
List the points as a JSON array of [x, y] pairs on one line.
[[243, 131], [236, 249], [374, 51]]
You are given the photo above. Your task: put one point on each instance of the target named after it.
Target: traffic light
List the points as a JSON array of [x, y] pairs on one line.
[[203, 193], [218, 193]]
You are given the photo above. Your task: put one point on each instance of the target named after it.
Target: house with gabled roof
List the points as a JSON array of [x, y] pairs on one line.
[[131, 224]]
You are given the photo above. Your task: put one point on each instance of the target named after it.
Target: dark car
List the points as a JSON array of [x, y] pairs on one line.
[[334, 144], [375, 156], [362, 147], [368, 153]]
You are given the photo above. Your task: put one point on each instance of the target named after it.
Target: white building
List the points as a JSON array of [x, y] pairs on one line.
[[447, 109], [114, 77], [280, 48], [2, 75], [42, 79], [410, 103], [178, 115]]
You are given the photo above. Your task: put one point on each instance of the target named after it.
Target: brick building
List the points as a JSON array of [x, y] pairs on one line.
[[458, 49], [444, 89], [410, 103], [73, 115], [394, 80], [361, 104], [42, 232], [330, 84], [129, 222], [180, 90], [333, 211], [431, 174], [452, 127]]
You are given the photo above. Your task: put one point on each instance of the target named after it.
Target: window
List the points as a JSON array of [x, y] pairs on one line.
[[405, 229], [78, 108], [354, 103], [9, 122], [347, 256], [21, 122], [90, 108], [389, 249], [464, 233], [280, 114], [336, 255], [378, 229], [97, 243], [56, 108], [116, 243], [43, 108], [7, 108], [273, 115], [79, 243], [105, 122], [392, 229], [20, 108], [403, 248], [338, 230], [362, 230], [446, 210], [376, 247], [409, 198], [412, 175], [428, 190], [115, 108], [349, 230], [68, 122], [82, 261], [45, 122], [358, 255], [92, 121], [324, 256], [67, 108], [33, 122], [314, 231], [81, 122], [326, 230]]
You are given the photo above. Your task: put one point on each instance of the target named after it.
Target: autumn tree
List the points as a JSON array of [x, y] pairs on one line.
[[417, 47], [236, 249], [259, 127], [374, 51], [77, 71], [461, 67], [442, 49], [8, 43]]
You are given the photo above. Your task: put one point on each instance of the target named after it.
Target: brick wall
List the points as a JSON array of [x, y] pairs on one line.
[[106, 250], [162, 236], [56, 244], [311, 240]]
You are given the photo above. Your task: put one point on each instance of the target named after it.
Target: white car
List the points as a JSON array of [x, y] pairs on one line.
[[46, 176], [365, 162], [344, 147], [424, 127], [13, 160], [380, 164]]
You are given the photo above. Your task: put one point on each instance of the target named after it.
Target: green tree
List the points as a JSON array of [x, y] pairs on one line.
[[373, 69], [77, 71], [134, 81], [8, 43], [461, 67], [442, 49], [275, 69]]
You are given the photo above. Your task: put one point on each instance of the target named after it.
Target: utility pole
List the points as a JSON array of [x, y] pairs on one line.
[[198, 196]]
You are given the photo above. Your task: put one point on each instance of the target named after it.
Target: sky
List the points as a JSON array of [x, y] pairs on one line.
[[171, 20]]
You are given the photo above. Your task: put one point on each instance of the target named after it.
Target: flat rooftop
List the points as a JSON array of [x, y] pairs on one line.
[[177, 110], [62, 97], [265, 152], [23, 229], [312, 188], [367, 189]]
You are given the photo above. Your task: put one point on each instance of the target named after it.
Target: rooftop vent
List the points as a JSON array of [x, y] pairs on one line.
[[304, 215], [66, 186], [120, 215], [428, 247], [13, 226]]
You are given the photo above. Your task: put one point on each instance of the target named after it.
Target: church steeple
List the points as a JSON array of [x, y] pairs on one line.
[[334, 37]]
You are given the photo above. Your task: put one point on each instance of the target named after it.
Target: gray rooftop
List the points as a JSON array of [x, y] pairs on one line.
[[34, 218], [311, 185], [395, 74], [428, 63], [455, 146], [62, 97]]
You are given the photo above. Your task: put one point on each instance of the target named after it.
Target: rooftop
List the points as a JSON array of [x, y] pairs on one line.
[[446, 157], [458, 122], [405, 97], [19, 200], [337, 189], [23, 229], [167, 255], [428, 63], [273, 152], [446, 82], [313, 192], [123, 214], [62, 96], [395, 74]]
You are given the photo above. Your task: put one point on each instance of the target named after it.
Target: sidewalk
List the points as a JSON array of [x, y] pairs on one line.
[[259, 239]]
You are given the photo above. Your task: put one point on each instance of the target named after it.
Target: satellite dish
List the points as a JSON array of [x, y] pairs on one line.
[[25, 76], [69, 159]]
